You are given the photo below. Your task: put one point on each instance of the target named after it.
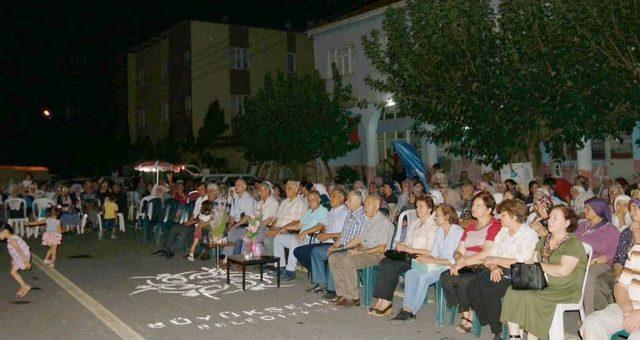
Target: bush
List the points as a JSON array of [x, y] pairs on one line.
[[347, 174]]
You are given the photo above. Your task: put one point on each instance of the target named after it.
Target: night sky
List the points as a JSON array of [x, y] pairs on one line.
[[60, 52]]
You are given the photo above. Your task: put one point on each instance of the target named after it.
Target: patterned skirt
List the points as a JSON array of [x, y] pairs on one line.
[[51, 239]]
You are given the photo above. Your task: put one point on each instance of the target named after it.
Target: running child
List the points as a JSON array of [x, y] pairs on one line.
[[20, 257], [52, 236]]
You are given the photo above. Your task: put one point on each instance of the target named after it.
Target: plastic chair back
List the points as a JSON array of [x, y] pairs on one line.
[[410, 216], [16, 204], [40, 205]]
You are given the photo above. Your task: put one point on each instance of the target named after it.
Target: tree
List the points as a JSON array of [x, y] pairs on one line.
[[293, 120], [493, 87], [213, 127]]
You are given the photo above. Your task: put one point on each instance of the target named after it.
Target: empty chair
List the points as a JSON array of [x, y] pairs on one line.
[[40, 206]]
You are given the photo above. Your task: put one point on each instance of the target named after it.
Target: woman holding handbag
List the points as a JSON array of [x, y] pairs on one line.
[[514, 243], [426, 269], [564, 260], [419, 241]]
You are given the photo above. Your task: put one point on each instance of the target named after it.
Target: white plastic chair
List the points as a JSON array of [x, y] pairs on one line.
[[17, 223], [556, 332], [140, 214], [410, 216], [39, 205], [131, 202], [121, 223]]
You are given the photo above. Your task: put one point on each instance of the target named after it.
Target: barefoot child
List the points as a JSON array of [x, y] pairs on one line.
[[52, 237], [203, 221], [20, 257]]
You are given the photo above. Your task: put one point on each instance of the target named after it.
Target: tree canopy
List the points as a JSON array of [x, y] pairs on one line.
[[491, 84], [293, 120]]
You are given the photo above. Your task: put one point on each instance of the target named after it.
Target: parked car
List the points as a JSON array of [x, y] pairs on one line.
[[228, 179]]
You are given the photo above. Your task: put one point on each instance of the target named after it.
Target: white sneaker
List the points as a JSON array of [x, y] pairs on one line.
[[190, 257], [113, 237], [46, 262]]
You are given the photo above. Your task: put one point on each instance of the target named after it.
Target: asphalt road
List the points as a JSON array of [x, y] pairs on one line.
[[171, 299]]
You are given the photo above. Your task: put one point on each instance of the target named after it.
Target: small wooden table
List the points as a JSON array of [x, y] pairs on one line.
[[261, 261]]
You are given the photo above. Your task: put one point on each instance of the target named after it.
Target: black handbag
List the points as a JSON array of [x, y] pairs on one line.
[[399, 255], [528, 276]]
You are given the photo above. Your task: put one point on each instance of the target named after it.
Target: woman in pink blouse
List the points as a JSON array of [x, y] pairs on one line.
[[597, 231]]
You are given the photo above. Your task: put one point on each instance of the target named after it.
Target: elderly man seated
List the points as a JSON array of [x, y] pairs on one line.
[[243, 209], [289, 214], [326, 233], [320, 274], [360, 252], [296, 235]]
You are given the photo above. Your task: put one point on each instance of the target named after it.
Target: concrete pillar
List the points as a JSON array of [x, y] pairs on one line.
[[585, 166], [432, 154], [371, 125], [635, 137]]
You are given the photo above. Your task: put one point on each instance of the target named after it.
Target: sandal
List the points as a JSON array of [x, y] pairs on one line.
[[461, 328], [386, 311]]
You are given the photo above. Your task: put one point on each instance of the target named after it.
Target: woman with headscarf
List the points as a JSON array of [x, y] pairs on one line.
[[621, 218], [597, 231], [578, 197]]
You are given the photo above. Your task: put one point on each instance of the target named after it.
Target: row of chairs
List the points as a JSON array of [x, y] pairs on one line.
[[556, 332]]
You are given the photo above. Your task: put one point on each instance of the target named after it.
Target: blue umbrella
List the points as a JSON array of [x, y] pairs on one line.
[[411, 162]]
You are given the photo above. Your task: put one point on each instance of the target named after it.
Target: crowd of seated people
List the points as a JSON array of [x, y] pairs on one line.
[[463, 235]]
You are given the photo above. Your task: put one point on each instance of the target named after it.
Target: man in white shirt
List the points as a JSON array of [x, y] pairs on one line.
[[243, 209], [289, 213], [326, 233]]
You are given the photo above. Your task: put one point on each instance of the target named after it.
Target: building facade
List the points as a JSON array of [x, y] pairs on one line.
[[340, 42], [173, 77]]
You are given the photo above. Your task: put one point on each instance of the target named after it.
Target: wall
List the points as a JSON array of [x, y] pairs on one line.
[[209, 69]]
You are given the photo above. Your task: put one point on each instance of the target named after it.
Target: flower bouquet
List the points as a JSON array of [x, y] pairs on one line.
[[253, 229]]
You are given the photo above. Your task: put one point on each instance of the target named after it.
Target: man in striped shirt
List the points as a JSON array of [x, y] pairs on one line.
[[321, 275], [625, 313]]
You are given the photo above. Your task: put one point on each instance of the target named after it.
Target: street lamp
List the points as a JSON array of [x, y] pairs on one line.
[[46, 113]]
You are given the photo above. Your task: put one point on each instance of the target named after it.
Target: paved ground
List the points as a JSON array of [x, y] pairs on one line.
[[169, 299]]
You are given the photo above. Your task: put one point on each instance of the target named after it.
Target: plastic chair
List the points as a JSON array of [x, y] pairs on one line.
[[169, 208], [410, 216], [620, 334], [131, 204], [18, 223], [39, 208], [368, 276], [141, 209], [557, 326], [121, 223]]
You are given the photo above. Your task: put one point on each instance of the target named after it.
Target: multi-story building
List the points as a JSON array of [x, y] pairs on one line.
[[173, 77], [340, 42]]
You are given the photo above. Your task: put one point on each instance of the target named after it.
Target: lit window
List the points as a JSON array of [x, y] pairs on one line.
[[239, 58], [343, 58]]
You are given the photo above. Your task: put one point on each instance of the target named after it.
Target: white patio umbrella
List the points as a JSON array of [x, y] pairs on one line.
[[157, 167]]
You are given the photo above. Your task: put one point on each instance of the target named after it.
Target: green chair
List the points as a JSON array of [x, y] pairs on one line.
[[368, 276], [620, 334]]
